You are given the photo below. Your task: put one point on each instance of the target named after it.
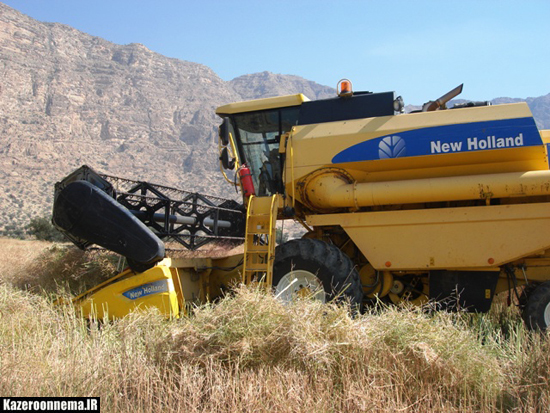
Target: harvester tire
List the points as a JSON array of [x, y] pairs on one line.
[[313, 268], [536, 312]]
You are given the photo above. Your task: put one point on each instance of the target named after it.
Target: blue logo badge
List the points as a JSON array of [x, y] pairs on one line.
[[156, 287], [392, 147], [454, 138]]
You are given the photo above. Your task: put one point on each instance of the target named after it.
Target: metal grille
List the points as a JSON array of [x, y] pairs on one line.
[[189, 218]]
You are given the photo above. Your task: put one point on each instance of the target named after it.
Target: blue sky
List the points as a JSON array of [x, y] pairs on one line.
[[418, 48]]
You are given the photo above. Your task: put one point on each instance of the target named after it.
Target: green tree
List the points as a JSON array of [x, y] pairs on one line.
[[43, 229]]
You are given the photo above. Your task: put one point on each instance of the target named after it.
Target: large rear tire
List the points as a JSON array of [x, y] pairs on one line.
[[313, 268], [536, 312]]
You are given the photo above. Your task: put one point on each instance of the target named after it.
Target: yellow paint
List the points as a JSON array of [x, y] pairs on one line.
[[336, 190], [334, 137], [259, 246], [187, 281], [445, 238], [109, 302], [262, 104], [545, 135]]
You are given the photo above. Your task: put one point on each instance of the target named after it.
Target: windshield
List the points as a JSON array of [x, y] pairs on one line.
[[258, 135]]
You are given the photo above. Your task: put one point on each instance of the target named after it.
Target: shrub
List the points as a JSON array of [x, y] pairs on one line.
[[43, 230]]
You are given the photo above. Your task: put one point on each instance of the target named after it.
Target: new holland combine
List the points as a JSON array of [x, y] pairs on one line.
[[450, 205]]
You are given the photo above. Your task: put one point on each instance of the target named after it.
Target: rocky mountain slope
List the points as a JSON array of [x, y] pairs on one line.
[[266, 84], [540, 107], [68, 98]]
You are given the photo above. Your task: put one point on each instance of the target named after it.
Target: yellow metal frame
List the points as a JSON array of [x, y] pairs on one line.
[[483, 237], [260, 240], [235, 156]]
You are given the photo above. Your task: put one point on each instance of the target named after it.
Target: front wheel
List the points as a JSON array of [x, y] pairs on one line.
[[313, 268], [536, 312]]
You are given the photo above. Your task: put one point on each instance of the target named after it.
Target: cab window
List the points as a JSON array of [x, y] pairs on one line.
[[258, 137]]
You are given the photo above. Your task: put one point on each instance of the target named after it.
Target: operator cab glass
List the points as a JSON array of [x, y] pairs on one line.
[[258, 135]]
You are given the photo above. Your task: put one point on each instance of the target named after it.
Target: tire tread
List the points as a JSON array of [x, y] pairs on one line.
[[536, 302], [327, 257]]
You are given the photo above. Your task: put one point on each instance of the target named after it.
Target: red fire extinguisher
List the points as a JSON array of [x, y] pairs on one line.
[[246, 181]]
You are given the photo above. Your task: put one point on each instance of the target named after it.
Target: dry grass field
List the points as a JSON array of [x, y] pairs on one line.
[[249, 352]]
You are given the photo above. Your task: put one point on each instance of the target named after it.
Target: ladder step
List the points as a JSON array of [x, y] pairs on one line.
[[256, 260], [255, 226], [258, 248], [260, 219], [255, 268], [259, 254]]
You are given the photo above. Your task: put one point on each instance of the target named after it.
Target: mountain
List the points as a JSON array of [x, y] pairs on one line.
[[540, 107], [68, 98], [266, 84]]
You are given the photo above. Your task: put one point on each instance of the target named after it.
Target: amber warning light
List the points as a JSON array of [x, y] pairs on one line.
[[344, 88]]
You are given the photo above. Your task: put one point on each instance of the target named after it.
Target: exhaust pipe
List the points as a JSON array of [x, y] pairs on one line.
[[440, 103]]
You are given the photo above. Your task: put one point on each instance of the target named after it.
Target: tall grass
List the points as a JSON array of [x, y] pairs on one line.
[[52, 267], [251, 353]]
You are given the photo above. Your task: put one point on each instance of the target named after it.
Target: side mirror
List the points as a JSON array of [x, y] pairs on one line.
[[223, 132], [227, 162]]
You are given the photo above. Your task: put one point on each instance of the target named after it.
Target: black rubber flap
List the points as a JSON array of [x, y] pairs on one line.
[[85, 212], [471, 291]]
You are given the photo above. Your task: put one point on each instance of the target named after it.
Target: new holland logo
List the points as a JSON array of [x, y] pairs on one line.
[[143, 290], [392, 147]]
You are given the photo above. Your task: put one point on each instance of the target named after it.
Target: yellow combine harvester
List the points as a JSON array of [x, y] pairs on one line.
[[450, 205]]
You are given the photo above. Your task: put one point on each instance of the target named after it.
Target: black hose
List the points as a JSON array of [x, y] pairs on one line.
[[511, 275]]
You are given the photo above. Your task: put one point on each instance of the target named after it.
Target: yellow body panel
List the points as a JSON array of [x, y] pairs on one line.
[[262, 104], [152, 288], [172, 286], [314, 147], [484, 237]]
